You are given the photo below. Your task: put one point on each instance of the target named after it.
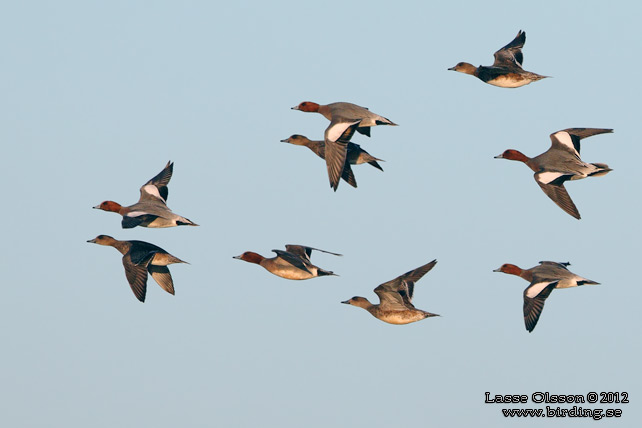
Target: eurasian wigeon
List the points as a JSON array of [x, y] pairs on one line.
[[293, 263], [139, 258], [543, 278], [395, 298], [344, 119], [506, 71], [355, 155], [560, 163], [151, 209]]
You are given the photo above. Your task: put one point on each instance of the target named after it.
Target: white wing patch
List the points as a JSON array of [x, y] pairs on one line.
[[535, 289], [547, 176], [336, 130], [564, 138], [152, 190], [136, 213]]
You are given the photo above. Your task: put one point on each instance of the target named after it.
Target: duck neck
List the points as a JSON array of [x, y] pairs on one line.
[[516, 155], [318, 147], [122, 246], [325, 111]]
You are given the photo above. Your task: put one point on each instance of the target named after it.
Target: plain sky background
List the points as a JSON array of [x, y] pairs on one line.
[[98, 96]]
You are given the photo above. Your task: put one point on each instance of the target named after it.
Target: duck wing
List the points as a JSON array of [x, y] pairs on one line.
[[156, 188], [401, 289], [410, 276], [534, 297], [390, 299], [162, 276], [569, 139], [555, 190], [337, 136], [129, 221], [294, 259], [562, 265], [406, 291], [305, 252], [141, 251], [348, 175], [511, 54], [136, 273]]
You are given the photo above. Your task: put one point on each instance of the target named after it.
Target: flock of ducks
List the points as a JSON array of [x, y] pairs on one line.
[[559, 164]]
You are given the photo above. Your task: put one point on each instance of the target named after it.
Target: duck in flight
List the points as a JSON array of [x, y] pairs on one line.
[[543, 279], [506, 71], [139, 259], [293, 263], [151, 210], [561, 163], [395, 298], [355, 155]]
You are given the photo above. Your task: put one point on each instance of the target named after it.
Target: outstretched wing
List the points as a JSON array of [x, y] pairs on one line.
[[534, 297], [136, 273], [348, 175], [555, 190], [569, 139], [390, 298], [304, 251], [512, 52], [337, 136], [156, 188], [410, 276], [406, 290], [163, 277], [401, 289]]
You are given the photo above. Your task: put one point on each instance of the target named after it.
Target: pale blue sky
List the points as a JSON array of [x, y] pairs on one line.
[[98, 96]]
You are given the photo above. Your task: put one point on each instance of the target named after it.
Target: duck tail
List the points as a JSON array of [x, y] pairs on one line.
[[603, 169], [535, 77], [587, 282], [323, 272], [368, 158], [173, 259], [385, 121], [185, 222], [375, 164]]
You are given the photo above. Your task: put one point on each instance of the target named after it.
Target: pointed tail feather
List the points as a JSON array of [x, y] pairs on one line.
[[323, 272], [185, 222], [386, 121], [604, 169], [375, 164]]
